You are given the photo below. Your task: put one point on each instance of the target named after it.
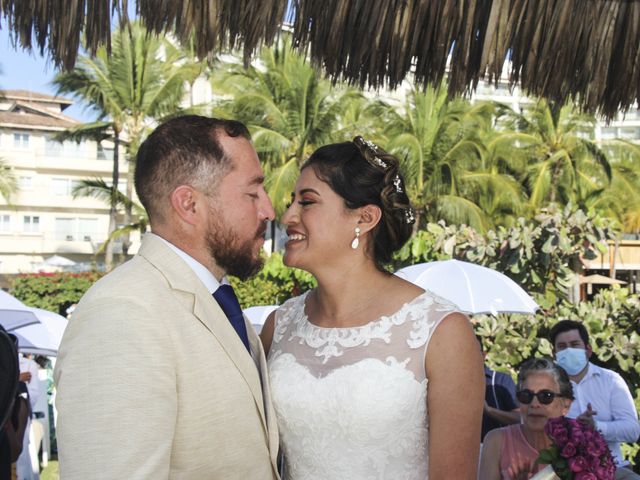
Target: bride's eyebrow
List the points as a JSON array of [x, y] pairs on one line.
[[309, 190]]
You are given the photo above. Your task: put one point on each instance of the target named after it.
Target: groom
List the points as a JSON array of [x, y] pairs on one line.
[[159, 375]]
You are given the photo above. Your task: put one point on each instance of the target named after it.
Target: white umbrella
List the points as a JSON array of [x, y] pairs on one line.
[[58, 261], [473, 288], [258, 315], [44, 337], [14, 313]]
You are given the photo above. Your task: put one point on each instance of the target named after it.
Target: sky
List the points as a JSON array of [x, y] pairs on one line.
[[23, 70]]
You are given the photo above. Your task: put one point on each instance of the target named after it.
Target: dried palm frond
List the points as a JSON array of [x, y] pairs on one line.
[[584, 50]]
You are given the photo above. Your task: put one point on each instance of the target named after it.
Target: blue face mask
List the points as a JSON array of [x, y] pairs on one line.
[[573, 360]]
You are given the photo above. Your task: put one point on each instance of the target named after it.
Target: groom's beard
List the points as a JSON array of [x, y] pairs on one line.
[[239, 258]]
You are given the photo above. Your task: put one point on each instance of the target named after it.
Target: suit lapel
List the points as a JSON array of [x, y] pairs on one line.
[[207, 311], [272, 425]]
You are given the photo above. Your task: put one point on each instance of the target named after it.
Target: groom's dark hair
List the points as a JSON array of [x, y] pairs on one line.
[[182, 151]]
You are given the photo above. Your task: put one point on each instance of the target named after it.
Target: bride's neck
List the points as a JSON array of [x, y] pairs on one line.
[[343, 298]]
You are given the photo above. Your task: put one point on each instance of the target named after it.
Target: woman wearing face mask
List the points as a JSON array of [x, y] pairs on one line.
[[371, 376], [544, 392]]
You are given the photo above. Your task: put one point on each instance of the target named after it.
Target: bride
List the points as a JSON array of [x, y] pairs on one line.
[[371, 376]]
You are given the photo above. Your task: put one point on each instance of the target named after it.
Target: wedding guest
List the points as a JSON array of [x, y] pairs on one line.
[[28, 464], [12, 432], [500, 407], [603, 398], [372, 377], [544, 392]]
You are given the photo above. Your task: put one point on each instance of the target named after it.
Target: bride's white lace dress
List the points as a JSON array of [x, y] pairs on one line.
[[352, 402]]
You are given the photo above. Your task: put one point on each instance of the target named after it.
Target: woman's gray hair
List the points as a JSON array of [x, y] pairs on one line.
[[546, 365]]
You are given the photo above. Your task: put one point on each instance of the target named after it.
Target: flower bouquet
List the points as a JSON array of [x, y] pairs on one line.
[[578, 452]]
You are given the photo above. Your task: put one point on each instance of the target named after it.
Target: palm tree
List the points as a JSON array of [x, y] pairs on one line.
[[562, 163], [141, 81], [449, 169], [621, 201], [98, 188], [289, 109], [8, 182]]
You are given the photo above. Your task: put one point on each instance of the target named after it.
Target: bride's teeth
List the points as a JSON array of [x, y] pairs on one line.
[[296, 236]]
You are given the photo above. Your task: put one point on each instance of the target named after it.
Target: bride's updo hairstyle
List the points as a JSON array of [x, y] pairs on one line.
[[364, 174]]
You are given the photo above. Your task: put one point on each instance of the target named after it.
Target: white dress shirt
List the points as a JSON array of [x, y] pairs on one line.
[[610, 398], [202, 272]]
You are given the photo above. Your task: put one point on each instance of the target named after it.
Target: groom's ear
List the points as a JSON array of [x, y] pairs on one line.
[[370, 216], [186, 204]]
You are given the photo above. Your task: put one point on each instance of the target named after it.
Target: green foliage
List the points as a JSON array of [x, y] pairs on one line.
[[273, 285], [53, 291], [8, 181], [289, 108], [542, 255]]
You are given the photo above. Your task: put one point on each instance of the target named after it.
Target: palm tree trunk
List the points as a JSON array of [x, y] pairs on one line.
[[128, 212], [113, 210]]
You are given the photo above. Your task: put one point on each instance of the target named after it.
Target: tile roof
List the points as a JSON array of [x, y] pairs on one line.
[[33, 96], [35, 120]]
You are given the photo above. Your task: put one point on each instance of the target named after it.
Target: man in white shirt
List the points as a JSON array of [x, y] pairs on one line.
[[27, 466], [602, 398]]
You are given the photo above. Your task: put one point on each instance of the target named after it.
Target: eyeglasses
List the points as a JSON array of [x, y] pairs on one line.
[[545, 397]]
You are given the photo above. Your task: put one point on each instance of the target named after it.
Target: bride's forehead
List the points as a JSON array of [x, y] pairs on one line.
[[308, 179]]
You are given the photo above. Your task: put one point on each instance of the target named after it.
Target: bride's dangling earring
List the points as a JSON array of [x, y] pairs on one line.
[[356, 241]]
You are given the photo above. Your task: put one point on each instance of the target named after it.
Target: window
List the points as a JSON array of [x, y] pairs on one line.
[[5, 223], [104, 153], [76, 229], [31, 224], [629, 133], [21, 140], [64, 229], [73, 150], [63, 186], [25, 183], [52, 148], [609, 132], [87, 229]]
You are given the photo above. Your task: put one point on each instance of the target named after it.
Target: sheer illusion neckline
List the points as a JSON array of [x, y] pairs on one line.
[[305, 318]]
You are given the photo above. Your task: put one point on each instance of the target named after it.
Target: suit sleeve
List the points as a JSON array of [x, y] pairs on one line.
[[116, 397]]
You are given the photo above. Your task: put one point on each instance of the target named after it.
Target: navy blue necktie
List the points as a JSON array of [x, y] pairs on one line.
[[226, 298]]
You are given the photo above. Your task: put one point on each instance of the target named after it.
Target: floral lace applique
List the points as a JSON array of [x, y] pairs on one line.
[[331, 342]]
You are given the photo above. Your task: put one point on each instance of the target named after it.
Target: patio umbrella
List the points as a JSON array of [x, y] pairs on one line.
[[42, 338], [473, 288], [14, 313], [58, 261], [258, 315], [600, 280]]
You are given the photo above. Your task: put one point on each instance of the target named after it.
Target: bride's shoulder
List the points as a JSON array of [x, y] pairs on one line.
[[291, 308], [427, 301]]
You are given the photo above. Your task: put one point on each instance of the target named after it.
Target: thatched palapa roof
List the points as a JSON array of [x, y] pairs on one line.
[[586, 50]]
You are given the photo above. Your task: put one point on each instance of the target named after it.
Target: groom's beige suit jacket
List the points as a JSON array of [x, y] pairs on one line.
[[153, 382]]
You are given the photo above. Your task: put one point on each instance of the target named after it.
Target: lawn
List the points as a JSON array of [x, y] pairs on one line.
[[50, 472]]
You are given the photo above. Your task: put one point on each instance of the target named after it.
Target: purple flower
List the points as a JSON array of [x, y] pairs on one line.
[[578, 464], [569, 450], [582, 447], [586, 476]]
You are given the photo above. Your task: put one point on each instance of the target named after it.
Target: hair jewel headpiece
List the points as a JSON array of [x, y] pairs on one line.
[[377, 161]]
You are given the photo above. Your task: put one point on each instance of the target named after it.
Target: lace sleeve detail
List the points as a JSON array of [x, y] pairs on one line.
[[433, 315], [286, 315]]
